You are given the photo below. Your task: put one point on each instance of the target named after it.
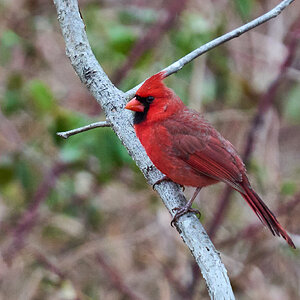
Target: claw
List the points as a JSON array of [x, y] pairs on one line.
[[182, 211], [187, 208], [164, 178]]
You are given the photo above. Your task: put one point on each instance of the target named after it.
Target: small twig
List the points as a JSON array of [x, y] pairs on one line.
[[48, 264], [113, 101], [66, 134], [179, 64], [176, 66], [267, 99], [265, 103]]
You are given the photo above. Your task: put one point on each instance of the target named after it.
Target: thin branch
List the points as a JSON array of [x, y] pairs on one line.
[[292, 38], [179, 64], [265, 103], [113, 102], [66, 134], [176, 66], [291, 41]]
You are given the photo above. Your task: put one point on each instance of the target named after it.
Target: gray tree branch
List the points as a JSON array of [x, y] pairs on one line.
[[113, 102], [179, 64], [66, 134]]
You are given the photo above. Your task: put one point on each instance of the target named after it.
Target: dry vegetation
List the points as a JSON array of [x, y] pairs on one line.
[[77, 220]]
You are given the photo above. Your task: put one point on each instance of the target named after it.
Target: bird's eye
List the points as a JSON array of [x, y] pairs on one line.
[[150, 99]]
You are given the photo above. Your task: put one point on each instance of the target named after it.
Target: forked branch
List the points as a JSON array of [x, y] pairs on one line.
[[113, 102], [179, 64]]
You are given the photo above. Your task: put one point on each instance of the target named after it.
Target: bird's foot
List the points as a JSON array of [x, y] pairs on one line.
[[180, 211], [165, 178]]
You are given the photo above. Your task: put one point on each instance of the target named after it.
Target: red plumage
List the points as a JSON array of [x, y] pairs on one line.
[[188, 150]]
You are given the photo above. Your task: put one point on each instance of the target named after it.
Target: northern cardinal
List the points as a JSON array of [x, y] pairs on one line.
[[189, 151]]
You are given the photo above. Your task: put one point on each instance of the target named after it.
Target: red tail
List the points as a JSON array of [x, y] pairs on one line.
[[263, 212]]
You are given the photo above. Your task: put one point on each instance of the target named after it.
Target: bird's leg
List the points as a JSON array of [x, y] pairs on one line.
[[164, 178], [180, 211]]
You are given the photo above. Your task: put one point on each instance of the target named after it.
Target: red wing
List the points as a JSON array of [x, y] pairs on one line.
[[215, 157]]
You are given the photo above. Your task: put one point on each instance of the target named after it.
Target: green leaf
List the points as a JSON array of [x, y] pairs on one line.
[[52, 232], [292, 107], [288, 188], [94, 217], [26, 175], [70, 153], [13, 95], [6, 174], [41, 95], [9, 39], [14, 81], [244, 7], [121, 38], [11, 102]]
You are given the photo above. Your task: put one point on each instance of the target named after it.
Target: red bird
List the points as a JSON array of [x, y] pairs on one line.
[[189, 151]]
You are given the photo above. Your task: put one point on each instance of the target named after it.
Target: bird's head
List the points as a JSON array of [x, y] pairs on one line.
[[152, 98]]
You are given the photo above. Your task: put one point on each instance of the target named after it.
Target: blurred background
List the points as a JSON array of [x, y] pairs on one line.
[[77, 219]]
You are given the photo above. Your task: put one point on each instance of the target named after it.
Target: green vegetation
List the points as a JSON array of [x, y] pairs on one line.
[[99, 202]]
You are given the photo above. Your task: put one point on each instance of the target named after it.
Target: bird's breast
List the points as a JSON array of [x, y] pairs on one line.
[[158, 143]]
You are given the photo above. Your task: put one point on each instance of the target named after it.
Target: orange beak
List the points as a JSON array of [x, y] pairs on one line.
[[135, 105]]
